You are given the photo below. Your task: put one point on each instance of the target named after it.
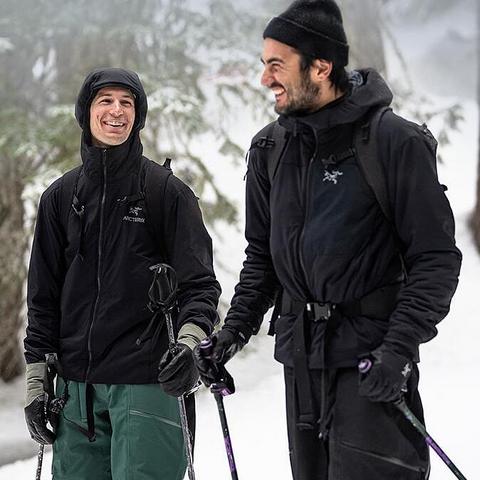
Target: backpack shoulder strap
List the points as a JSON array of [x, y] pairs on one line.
[[153, 180], [366, 147], [271, 141], [68, 195]]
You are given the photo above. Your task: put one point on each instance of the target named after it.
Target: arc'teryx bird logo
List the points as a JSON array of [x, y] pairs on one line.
[[135, 211], [332, 176], [406, 369]]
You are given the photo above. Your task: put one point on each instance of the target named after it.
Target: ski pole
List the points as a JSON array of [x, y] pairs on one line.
[[363, 367], [220, 389], [38, 473], [41, 447], [162, 295]]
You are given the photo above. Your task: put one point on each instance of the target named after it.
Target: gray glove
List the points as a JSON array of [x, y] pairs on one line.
[[35, 404]]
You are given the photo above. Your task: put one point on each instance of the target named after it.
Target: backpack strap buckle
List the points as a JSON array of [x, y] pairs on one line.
[[265, 142], [317, 311]]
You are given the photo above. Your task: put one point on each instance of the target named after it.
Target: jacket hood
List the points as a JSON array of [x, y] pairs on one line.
[[104, 77], [367, 90]]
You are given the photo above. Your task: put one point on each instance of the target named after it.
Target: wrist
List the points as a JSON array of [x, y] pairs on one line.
[[191, 335], [35, 373]]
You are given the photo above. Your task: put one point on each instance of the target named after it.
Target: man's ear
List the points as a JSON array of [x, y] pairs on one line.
[[321, 69]]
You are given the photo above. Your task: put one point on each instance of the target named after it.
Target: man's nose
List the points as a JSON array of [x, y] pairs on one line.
[[117, 108], [266, 78]]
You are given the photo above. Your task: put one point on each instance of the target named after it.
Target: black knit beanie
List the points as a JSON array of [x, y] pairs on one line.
[[314, 27]]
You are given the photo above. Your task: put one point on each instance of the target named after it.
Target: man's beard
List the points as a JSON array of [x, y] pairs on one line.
[[302, 99]]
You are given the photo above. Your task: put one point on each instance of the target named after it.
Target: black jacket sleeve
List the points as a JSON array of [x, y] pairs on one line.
[[425, 226], [258, 286], [45, 279], [189, 251]]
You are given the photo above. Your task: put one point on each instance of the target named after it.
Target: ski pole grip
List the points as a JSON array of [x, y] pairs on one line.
[[206, 347], [365, 365]]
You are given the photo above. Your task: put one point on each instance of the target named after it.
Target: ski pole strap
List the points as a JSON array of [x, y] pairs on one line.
[[163, 289]]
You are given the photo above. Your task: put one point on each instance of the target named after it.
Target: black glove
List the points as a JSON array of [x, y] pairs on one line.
[[37, 421], [177, 372], [226, 343], [387, 378]]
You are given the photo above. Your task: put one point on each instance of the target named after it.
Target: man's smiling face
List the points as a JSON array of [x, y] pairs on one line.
[[294, 90], [112, 115]]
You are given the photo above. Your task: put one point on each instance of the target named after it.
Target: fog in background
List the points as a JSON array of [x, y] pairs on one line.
[[200, 64]]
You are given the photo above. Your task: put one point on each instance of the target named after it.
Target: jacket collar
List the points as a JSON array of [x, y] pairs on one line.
[[367, 90], [120, 160]]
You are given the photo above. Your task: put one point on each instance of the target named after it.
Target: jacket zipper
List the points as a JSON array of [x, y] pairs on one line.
[[99, 263], [307, 205]]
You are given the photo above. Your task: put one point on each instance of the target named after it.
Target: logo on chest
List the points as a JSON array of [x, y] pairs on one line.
[[134, 215], [332, 176]]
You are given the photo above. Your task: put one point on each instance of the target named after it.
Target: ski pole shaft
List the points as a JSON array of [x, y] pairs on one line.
[[162, 294], [363, 367], [38, 473], [187, 439], [402, 406], [219, 390], [226, 436]]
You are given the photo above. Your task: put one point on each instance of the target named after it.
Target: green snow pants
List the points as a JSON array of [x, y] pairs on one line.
[[138, 434]]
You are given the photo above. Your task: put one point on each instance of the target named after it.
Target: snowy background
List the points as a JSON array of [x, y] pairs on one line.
[[443, 65]]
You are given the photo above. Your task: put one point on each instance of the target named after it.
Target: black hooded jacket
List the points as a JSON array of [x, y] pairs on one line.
[[328, 241], [88, 283]]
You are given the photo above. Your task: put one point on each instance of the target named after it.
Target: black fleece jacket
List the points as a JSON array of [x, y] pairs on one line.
[[328, 241], [88, 287]]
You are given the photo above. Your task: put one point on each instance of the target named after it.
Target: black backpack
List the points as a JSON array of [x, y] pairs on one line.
[[271, 140], [151, 188]]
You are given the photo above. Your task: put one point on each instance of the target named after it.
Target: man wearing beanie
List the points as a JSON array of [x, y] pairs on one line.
[[349, 282], [100, 228]]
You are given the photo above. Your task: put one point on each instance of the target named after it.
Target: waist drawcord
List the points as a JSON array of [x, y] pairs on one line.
[[89, 432]]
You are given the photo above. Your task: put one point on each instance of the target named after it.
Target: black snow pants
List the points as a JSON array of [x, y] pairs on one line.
[[355, 439]]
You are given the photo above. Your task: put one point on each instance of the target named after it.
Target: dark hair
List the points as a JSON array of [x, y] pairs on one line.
[[338, 75]]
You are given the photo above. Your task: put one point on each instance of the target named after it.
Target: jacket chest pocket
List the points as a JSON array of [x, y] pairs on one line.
[[128, 223]]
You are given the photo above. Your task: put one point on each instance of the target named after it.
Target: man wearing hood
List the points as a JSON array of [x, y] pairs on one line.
[[99, 229], [317, 234]]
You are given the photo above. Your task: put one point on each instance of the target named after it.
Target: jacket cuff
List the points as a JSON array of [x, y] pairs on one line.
[[191, 335], [35, 373]]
